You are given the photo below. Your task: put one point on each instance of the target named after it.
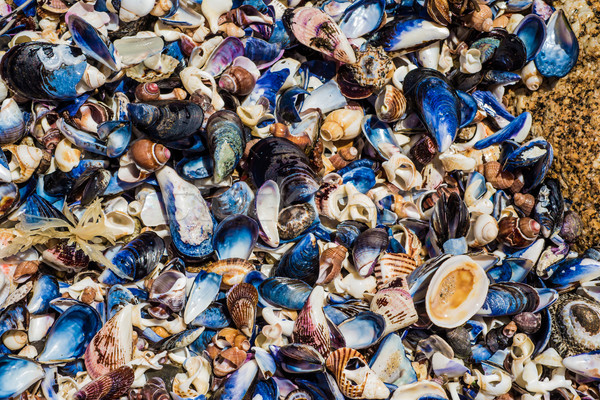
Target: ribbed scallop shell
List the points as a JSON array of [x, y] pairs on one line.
[[112, 346], [395, 304], [241, 302], [317, 30], [232, 270], [110, 386], [393, 265]]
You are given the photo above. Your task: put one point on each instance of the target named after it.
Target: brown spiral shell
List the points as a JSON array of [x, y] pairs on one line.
[[110, 386], [493, 173], [237, 80], [281, 130], [390, 104], [241, 302], [518, 232], [147, 92], [330, 263], [439, 11], [525, 202], [481, 20], [154, 389], [148, 155], [25, 270]]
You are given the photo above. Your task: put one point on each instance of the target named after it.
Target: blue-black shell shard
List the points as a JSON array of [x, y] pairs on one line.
[[436, 103], [284, 292], [560, 50], [17, 374], [549, 208], [532, 31], [280, 160], [14, 317], [43, 71], [163, 121], [226, 142], [139, 257], [44, 291], [301, 261], [89, 41]]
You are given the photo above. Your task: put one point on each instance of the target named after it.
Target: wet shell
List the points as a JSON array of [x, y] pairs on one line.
[[456, 292], [233, 270], [354, 377], [294, 220], [111, 347], [390, 104], [393, 265], [317, 30], [394, 303], [241, 302], [110, 386], [575, 325], [147, 92], [518, 232], [237, 80], [372, 68], [148, 155]]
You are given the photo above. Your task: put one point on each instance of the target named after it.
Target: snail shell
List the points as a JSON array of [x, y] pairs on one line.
[[483, 231], [237, 80], [342, 124], [148, 155], [525, 202], [390, 104], [439, 11], [480, 20], [518, 232], [147, 92]]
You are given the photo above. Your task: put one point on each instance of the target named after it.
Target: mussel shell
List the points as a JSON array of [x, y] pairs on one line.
[[164, 121], [43, 71], [301, 261], [298, 358], [235, 200], [235, 237], [17, 374], [284, 292], [226, 142], [560, 50], [367, 248]]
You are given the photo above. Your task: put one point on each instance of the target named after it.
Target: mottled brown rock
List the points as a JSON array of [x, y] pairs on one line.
[[567, 113]]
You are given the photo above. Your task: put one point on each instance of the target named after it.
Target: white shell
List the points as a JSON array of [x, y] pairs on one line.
[[39, 326], [66, 157], [195, 381], [470, 61], [402, 173], [14, 340], [429, 56], [456, 292], [483, 231], [25, 159], [531, 76], [213, 9], [414, 391], [132, 10], [342, 124]]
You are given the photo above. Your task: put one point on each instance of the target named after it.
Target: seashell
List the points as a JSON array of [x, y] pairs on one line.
[[531, 76], [470, 61], [362, 330], [12, 124], [373, 67], [168, 292], [25, 270], [354, 377], [342, 124], [228, 360], [311, 327], [394, 303], [235, 200], [518, 232], [149, 156], [402, 173], [111, 347], [154, 388], [483, 231], [330, 263], [212, 10], [315, 29], [456, 292], [393, 265], [281, 161], [390, 104], [204, 290], [298, 358], [164, 121], [560, 50], [109, 386], [65, 156], [433, 96], [408, 33], [191, 242], [239, 382], [362, 18], [44, 291], [514, 297], [495, 175], [44, 71], [267, 212], [237, 80], [532, 31], [226, 142], [235, 237], [70, 335], [284, 292], [281, 130], [294, 220], [241, 302], [24, 161], [575, 325], [481, 20], [391, 348], [9, 197], [232, 270], [147, 92], [439, 11], [17, 374], [14, 340], [301, 261], [367, 249]]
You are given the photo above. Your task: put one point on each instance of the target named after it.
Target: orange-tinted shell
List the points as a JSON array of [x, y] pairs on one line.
[[233, 270], [148, 155], [237, 80], [525, 202], [330, 263], [518, 232], [241, 302]]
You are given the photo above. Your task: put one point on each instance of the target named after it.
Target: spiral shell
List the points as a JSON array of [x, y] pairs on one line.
[[330, 263], [241, 302], [342, 124], [525, 202], [25, 160], [518, 232], [483, 231], [149, 156], [354, 377], [390, 104], [237, 80], [439, 11], [493, 173], [147, 92], [481, 20], [402, 173], [110, 386]]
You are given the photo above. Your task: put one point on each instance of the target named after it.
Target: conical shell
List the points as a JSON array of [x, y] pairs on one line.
[[317, 30], [112, 346], [241, 302], [354, 377], [311, 326], [395, 304], [393, 265]]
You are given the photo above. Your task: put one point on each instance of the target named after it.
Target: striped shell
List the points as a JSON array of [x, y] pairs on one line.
[[393, 265], [241, 302], [354, 377], [395, 304], [232, 270], [110, 386]]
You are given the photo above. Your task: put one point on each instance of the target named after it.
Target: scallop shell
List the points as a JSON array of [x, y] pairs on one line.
[[354, 377], [241, 302], [393, 265], [111, 347], [317, 30], [311, 326], [456, 292], [394, 303]]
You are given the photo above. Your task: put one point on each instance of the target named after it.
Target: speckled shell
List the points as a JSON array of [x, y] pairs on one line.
[[311, 326], [241, 302], [394, 303], [372, 68], [575, 325], [294, 220]]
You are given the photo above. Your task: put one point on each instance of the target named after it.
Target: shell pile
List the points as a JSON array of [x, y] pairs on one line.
[[220, 199]]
